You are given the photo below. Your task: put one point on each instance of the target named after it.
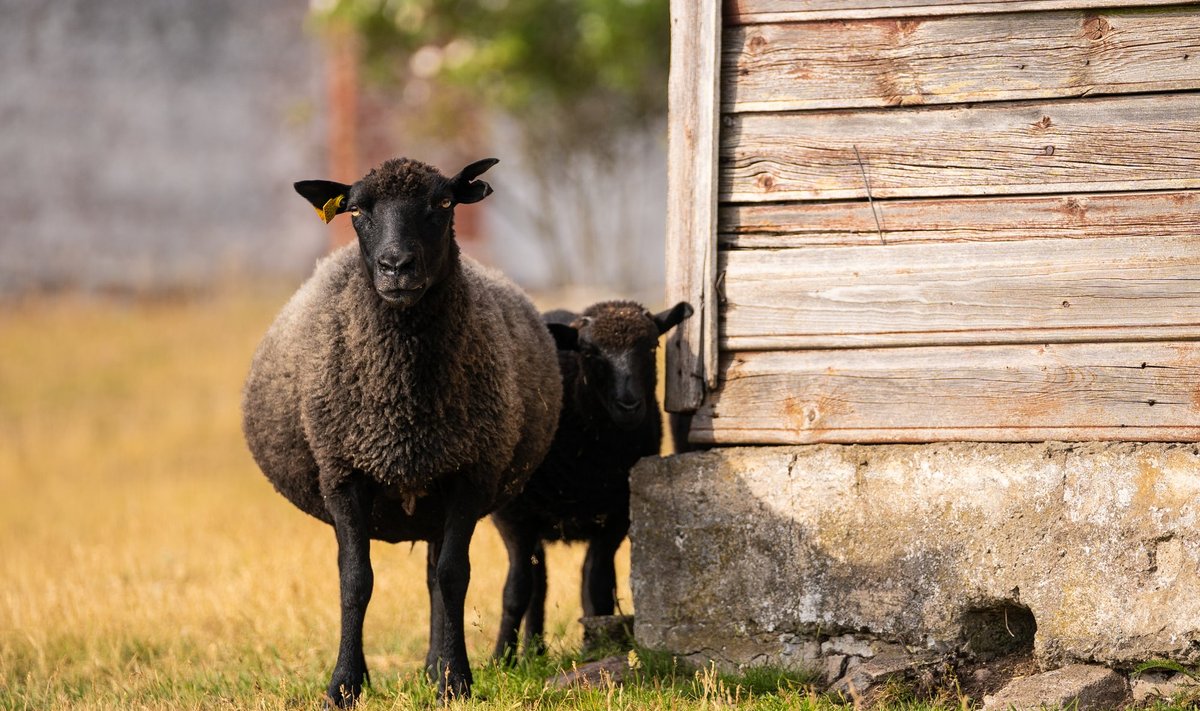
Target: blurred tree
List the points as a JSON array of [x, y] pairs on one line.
[[583, 82]]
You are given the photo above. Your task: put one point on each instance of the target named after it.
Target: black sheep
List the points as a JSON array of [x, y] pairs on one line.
[[403, 393], [610, 418]]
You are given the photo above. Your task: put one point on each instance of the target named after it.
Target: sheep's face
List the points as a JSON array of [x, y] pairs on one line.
[[617, 343], [403, 213]]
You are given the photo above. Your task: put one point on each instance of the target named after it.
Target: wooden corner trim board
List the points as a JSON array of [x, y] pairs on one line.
[[692, 126]]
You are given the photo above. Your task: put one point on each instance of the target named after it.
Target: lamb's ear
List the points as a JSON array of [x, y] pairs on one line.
[[327, 197], [464, 185], [666, 320], [566, 338]]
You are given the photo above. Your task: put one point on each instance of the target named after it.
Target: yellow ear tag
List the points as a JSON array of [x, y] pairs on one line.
[[330, 209]]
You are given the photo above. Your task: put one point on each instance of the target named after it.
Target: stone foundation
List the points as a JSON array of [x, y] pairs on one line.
[[1083, 552]]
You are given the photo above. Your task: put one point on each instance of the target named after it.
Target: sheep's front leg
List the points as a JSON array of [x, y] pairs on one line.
[[453, 576], [599, 570], [520, 540], [350, 506], [437, 613]]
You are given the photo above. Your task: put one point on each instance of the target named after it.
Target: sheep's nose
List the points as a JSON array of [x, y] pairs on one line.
[[393, 264]]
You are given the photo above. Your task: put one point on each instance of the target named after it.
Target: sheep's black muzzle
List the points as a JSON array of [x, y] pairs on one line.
[[399, 281], [627, 414], [400, 297]]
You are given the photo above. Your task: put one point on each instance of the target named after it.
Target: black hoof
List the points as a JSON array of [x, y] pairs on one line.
[[345, 689], [506, 657], [341, 698], [455, 688]]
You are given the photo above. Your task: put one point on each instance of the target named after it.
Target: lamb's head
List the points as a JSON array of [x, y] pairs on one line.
[[617, 341], [403, 212]]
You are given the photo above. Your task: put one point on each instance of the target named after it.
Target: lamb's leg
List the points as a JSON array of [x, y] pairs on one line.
[[437, 612], [453, 576], [535, 615], [350, 506], [600, 573], [520, 540]]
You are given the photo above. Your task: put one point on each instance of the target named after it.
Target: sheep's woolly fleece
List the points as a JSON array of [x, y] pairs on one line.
[[464, 383]]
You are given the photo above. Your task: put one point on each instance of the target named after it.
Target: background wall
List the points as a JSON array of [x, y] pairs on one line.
[[148, 145], [152, 146]]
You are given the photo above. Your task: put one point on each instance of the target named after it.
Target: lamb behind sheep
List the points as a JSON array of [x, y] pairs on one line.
[[403, 393], [610, 419]]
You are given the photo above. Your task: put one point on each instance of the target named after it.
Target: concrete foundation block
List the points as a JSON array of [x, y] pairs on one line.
[[1085, 552]]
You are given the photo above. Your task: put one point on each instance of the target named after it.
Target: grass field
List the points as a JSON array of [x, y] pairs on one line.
[[146, 564]]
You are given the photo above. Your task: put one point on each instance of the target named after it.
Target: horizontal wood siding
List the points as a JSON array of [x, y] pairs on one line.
[[1142, 391], [1047, 290], [957, 220], [943, 220], [740, 12], [907, 61], [1081, 145]]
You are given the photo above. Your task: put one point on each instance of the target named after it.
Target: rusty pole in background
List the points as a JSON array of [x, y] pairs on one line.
[[342, 76]]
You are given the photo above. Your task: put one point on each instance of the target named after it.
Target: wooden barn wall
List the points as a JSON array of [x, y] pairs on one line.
[[950, 220]]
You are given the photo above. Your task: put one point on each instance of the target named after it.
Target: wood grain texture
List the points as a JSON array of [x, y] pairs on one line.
[[740, 12], [1123, 391], [1002, 57], [1080, 145], [692, 126], [940, 220], [1042, 291]]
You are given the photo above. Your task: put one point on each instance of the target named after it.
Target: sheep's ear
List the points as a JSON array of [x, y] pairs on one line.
[[666, 320], [326, 196], [466, 188], [566, 338]]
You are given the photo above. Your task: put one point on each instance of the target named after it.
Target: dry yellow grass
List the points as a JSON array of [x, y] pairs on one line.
[[146, 563]]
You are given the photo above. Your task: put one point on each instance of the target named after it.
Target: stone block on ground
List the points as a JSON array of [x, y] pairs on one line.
[[1081, 687], [598, 674], [864, 677], [1152, 686]]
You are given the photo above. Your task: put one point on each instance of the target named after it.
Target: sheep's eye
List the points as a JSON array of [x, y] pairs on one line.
[[445, 203]]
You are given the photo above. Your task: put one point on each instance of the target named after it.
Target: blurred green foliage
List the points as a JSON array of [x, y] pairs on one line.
[[577, 69]]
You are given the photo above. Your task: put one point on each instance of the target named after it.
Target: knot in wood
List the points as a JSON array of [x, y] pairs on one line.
[[1095, 28]]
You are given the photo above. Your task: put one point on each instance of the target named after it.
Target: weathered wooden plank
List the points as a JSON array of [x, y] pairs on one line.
[[692, 126], [1043, 291], [742, 12], [939, 220], [1003, 57], [1142, 391], [1081, 145]]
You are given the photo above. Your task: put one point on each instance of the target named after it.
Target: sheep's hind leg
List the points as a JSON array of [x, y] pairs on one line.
[[520, 542], [350, 506], [453, 576], [600, 573], [535, 614]]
